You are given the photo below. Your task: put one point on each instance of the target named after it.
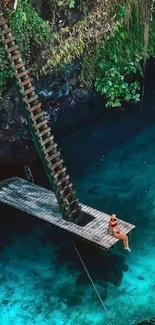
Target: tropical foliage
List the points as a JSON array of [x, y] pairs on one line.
[[108, 40]]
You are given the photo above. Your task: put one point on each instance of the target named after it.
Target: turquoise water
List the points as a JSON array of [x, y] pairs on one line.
[[42, 282]]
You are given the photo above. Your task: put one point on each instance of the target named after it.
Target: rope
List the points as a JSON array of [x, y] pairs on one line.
[[93, 284]]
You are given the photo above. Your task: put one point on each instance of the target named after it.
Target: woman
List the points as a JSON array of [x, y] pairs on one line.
[[114, 230]]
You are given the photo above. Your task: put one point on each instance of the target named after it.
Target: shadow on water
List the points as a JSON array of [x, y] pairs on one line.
[[103, 266], [14, 222]]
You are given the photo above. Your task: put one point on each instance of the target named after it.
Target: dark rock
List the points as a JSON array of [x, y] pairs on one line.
[[15, 142], [5, 302], [73, 17], [125, 268], [147, 322], [65, 109], [83, 279], [93, 190], [141, 278], [74, 300], [3, 279]]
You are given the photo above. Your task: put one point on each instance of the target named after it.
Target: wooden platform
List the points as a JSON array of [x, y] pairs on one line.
[[42, 204]]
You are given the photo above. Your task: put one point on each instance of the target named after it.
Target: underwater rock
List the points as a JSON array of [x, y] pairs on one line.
[[141, 278], [73, 300], [5, 302], [148, 322], [93, 190], [15, 143], [3, 279], [65, 109], [82, 280]]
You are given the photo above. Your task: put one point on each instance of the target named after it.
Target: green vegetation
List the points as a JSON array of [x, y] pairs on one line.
[[31, 33], [109, 41], [110, 62], [72, 42], [115, 88]]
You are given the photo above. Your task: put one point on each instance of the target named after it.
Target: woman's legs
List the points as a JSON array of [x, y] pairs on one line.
[[125, 240], [122, 236]]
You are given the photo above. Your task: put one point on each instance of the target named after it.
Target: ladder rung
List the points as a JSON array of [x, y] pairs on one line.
[[12, 48], [19, 65], [73, 202], [29, 90], [67, 187], [26, 82], [31, 99], [42, 133], [61, 171], [9, 40], [34, 108], [55, 155], [35, 117], [66, 178], [72, 193], [3, 22], [53, 146], [16, 57], [57, 164], [6, 31], [39, 125], [22, 74], [43, 142]]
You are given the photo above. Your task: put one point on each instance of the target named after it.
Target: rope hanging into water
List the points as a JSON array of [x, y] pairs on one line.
[[93, 284]]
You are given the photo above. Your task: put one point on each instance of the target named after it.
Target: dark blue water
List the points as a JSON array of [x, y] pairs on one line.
[[112, 164]]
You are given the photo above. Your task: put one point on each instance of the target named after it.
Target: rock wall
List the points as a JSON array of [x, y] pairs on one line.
[[65, 109]]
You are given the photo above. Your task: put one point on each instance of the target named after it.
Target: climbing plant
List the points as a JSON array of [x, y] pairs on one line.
[[71, 42], [28, 27], [32, 33], [108, 42], [108, 64]]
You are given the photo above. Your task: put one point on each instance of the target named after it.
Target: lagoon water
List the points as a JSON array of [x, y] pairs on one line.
[[42, 281]]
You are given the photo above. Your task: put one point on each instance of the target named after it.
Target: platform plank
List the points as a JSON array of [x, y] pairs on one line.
[[42, 204]]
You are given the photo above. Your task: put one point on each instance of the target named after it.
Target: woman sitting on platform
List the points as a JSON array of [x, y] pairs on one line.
[[115, 231]]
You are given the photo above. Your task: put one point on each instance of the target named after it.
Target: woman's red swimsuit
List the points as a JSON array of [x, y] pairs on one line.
[[114, 225]]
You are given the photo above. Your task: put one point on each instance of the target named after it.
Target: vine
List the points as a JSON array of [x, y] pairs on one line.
[[108, 65], [108, 41], [31, 33], [71, 42]]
